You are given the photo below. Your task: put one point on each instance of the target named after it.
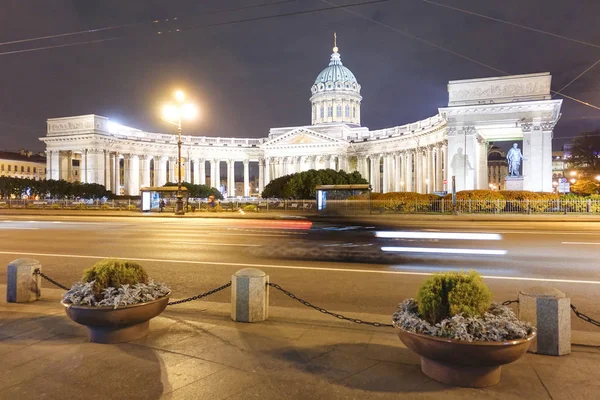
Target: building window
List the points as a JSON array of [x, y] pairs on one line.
[[16, 169], [2, 167], [9, 168], [322, 112], [45, 170], [347, 111], [338, 110], [28, 169], [34, 170], [330, 111], [22, 168]]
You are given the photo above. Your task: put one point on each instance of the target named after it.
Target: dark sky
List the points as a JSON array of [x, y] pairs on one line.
[[251, 76]]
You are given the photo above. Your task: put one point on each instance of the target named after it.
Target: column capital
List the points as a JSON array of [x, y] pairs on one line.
[[526, 127], [547, 126], [246, 162]]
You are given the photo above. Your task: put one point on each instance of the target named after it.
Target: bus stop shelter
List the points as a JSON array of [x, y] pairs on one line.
[[151, 196], [330, 197]]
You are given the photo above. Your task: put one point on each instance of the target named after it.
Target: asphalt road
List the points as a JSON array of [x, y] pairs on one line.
[[195, 255]]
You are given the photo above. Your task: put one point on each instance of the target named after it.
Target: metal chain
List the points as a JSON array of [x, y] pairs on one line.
[[197, 297], [324, 311], [52, 281], [584, 317], [509, 302]]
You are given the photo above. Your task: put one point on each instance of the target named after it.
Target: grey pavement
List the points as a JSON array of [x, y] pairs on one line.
[[195, 351]]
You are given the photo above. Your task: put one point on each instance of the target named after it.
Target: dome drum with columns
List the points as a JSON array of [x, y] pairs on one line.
[[420, 156]]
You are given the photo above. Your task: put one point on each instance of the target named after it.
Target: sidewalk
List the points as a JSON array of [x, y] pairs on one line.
[[195, 351], [290, 214]]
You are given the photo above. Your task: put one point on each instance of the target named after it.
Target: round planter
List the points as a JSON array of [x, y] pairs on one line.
[[123, 324], [462, 363]]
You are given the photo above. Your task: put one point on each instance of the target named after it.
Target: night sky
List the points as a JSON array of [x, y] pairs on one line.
[[248, 77]]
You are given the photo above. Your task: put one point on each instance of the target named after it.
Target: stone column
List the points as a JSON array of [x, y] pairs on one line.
[[213, 173], [439, 176], [418, 176], [431, 169], [83, 167], [172, 170], [261, 174], [53, 169], [375, 172], [246, 178], [482, 169], [444, 166], [107, 167], [160, 170], [202, 171], [196, 169], [409, 170], [230, 178], [398, 172], [386, 174], [145, 171], [127, 173], [313, 162], [547, 134], [187, 174], [267, 178], [117, 174]]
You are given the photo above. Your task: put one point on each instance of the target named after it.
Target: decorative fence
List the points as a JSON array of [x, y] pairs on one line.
[[342, 207]]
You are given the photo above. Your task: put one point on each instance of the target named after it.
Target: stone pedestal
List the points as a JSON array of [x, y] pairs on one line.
[[249, 295], [549, 310], [21, 284], [513, 183]]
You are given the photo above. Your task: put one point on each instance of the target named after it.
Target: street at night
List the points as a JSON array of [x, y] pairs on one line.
[[197, 254]]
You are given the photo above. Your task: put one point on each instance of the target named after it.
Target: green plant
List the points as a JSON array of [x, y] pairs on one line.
[[132, 207], [105, 207], [114, 273], [80, 207], [56, 206], [250, 208], [448, 294]]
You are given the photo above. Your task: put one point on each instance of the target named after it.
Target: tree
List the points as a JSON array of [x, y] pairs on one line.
[[199, 191], [302, 185], [585, 152]]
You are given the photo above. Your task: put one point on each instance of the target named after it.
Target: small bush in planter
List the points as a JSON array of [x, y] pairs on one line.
[[115, 283], [445, 295], [251, 208], [458, 305]]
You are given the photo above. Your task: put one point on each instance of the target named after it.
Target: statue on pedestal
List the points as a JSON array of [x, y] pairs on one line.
[[514, 158]]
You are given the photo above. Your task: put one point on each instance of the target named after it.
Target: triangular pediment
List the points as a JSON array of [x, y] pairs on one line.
[[302, 136]]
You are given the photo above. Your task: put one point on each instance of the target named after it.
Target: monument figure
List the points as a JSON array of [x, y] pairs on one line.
[[514, 158]]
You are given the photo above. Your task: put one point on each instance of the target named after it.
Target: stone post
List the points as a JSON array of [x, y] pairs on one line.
[[249, 295], [549, 310], [21, 284], [246, 178]]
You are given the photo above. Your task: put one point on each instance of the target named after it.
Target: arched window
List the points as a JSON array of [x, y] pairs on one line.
[[347, 111], [338, 110], [330, 111]]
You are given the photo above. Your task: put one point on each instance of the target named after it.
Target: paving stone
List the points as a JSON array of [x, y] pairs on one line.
[[220, 385]]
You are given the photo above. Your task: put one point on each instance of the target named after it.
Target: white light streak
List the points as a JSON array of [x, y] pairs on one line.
[[443, 251], [438, 235]]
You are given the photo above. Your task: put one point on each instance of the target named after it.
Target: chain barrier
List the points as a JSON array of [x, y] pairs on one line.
[[52, 281], [509, 302], [584, 317], [197, 297], [324, 311]]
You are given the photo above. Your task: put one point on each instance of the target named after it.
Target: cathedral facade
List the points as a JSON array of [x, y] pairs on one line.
[[422, 156]]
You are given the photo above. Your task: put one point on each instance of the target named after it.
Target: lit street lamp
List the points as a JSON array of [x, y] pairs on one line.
[[174, 113], [598, 178]]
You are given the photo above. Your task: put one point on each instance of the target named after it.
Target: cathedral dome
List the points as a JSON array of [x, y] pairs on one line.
[[335, 77], [336, 94]]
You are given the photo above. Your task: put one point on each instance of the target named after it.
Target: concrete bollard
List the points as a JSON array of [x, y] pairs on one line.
[[249, 295], [21, 284], [549, 310]]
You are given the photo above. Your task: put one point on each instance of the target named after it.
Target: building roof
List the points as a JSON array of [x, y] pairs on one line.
[[335, 72], [22, 156]]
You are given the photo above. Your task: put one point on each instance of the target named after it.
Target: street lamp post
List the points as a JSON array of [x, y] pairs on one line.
[[174, 114]]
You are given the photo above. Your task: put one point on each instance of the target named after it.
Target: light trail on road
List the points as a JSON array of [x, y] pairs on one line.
[[293, 267]]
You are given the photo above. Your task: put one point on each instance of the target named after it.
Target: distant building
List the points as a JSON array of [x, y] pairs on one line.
[[23, 164], [497, 168]]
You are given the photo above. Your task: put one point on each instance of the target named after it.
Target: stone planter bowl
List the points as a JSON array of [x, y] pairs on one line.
[[462, 363], [123, 324]]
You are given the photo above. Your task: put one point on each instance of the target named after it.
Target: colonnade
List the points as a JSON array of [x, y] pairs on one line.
[[126, 173]]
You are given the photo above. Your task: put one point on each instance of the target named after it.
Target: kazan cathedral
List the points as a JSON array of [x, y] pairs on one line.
[[420, 156]]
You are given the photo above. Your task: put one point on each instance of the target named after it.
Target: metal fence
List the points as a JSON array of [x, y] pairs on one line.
[[350, 207]]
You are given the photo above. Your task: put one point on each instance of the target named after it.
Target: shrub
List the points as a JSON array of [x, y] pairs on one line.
[[81, 207], [56, 206], [105, 207], [114, 273], [448, 294], [131, 207], [407, 202], [477, 201], [217, 208], [250, 208]]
